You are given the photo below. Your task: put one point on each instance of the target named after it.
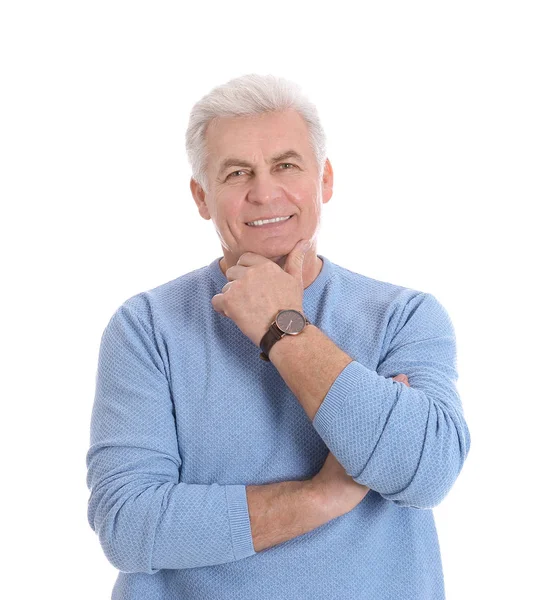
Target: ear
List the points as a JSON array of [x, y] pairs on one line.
[[327, 182], [199, 197]]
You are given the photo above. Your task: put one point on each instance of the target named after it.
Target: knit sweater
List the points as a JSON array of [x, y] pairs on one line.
[[186, 415]]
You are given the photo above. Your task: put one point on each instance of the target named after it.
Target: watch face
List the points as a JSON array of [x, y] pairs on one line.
[[290, 321]]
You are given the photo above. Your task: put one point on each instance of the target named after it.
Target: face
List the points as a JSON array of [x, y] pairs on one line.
[[252, 176]]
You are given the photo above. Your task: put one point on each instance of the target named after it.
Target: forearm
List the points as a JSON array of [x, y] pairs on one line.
[[284, 510], [309, 364]]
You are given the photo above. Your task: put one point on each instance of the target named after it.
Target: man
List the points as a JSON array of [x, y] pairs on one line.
[[273, 425]]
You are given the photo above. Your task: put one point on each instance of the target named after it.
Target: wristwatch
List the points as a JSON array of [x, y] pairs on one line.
[[287, 322]]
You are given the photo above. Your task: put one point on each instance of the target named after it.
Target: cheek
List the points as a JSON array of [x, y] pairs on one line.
[[305, 195], [229, 220], [311, 205]]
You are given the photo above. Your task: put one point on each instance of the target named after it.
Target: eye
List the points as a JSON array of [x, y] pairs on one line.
[[292, 165], [233, 173]]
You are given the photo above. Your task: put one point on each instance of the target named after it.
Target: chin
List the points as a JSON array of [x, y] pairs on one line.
[[273, 249]]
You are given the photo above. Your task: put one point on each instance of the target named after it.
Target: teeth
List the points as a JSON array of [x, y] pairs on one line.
[[256, 223]]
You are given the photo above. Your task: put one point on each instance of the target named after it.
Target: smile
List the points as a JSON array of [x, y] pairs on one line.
[[262, 222]]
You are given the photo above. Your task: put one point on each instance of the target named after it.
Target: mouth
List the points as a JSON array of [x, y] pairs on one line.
[[262, 224]]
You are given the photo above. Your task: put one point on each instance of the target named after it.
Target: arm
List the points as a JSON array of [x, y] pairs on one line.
[[281, 511], [407, 443], [145, 517]]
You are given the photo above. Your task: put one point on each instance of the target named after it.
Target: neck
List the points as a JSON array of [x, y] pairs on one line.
[[312, 265]]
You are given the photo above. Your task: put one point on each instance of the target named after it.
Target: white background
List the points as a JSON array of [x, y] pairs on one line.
[[433, 117]]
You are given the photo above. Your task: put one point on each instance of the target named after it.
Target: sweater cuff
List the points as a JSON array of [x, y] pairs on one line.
[[241, 533], [340, 389]]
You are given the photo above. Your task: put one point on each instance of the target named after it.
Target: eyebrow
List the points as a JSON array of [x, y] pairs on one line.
[[239, 162]]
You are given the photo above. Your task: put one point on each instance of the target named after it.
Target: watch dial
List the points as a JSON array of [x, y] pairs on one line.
[[290, 321]]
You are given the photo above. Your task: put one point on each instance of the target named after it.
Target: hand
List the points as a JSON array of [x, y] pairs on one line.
[[339, 492], [258, 288]]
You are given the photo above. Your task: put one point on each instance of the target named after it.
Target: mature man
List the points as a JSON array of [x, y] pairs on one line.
[[272, 425]]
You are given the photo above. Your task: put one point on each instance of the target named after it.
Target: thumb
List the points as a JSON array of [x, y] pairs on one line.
[[294, 263]]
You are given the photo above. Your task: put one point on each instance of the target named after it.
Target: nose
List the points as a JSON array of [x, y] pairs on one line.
[[264, 189]]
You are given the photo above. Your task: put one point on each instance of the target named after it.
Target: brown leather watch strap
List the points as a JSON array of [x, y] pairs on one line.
[[272, 336]]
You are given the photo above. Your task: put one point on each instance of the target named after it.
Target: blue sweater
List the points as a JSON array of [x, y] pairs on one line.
[[186, 415]]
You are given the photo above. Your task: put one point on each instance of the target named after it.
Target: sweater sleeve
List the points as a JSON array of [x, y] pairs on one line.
[[406, 443], [145, 517]]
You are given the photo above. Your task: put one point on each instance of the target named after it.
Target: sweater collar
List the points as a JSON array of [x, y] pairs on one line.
[[311, 293]]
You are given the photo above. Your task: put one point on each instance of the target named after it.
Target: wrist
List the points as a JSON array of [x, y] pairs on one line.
[[293, 343], [288, 323]]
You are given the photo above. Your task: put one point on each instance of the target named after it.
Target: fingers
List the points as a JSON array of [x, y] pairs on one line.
[[401, 378], [217, 304]]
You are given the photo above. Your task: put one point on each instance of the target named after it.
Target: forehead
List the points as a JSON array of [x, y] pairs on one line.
[[246, 137]]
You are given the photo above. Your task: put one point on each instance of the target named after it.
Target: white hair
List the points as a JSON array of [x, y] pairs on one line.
[[250, 94]]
